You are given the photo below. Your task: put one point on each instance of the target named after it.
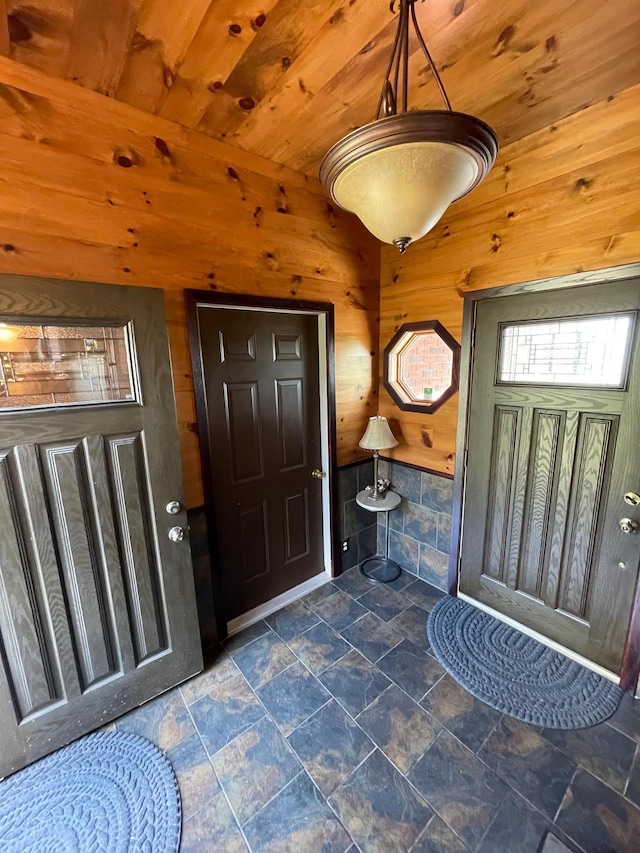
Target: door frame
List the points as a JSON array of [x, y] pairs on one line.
[[324, 311], [630, 669]]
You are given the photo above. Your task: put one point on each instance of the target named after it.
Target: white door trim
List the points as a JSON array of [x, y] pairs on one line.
[[277, 603]]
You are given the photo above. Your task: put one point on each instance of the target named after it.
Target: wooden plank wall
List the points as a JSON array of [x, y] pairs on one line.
[[96, 190], [562, 200]]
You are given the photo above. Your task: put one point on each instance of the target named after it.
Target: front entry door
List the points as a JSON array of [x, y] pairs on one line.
[[553, 447], [261, 376], [97, 604]]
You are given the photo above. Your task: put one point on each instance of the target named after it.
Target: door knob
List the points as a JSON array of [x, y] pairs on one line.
[[173, 507], [628, 525], [317, 473], [176, 534]]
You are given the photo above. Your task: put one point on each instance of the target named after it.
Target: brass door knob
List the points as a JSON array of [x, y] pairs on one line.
[[317, 473]]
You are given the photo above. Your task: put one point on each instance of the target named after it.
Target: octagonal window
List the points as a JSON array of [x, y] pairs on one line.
[[421, 366]]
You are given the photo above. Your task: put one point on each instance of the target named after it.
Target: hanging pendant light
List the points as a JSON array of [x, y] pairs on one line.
[[400, 173]]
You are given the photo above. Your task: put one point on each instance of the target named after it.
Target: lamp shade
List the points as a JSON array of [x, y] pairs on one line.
[[399, 174], [377, 435]]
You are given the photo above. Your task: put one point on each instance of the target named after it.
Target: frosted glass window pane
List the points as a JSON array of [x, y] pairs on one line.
[[63, 364], [583, 351], [425, 366]]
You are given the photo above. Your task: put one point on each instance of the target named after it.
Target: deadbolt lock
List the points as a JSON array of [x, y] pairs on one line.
[[632, 499], [176, 534], [628, 525], [173, 507]]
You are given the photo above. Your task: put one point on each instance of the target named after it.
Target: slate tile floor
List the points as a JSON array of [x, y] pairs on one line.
[[330, 728]]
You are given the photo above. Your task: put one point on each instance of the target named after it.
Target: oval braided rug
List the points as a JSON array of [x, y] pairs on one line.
[[514, 673], [111, 792]]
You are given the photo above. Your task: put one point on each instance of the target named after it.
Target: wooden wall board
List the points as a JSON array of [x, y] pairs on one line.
[[287, 79], [5, 44], [557, 202], [223, 38], [159, 45], [68, 210], [517, 66]]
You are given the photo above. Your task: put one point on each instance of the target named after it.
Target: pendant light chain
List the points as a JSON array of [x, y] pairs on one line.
[[391, 94], [400, 173], [425, 49]]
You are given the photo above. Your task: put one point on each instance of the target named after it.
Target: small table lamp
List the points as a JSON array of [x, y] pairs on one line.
[[377, 436]]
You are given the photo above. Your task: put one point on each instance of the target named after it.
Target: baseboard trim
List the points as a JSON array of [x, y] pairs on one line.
[[269, 607], [588, 664]]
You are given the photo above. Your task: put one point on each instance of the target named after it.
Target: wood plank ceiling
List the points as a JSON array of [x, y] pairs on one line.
[[286, 78]]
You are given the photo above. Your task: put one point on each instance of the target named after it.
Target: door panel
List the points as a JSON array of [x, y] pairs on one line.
[[548, 465], [97, 606], [261, 376]]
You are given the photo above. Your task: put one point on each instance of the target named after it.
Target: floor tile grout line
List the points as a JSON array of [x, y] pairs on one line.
[[585, 769], [303, 770], [335, 814], [222, 791], [636, 758], [581, 766], [428, 802], [266, 715], [271, 799], [501, 778], [491, 731], [511, 786], [564, 796], [422, 835], [437, 726]]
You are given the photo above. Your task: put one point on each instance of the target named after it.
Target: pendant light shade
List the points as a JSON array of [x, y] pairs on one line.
[[400, 173]]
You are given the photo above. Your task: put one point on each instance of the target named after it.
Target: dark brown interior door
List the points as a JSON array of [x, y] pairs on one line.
[[97, 604], [261, 376], [552, 450]]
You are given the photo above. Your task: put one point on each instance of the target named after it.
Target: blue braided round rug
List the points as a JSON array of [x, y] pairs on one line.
[[111, 792], [514, 673]]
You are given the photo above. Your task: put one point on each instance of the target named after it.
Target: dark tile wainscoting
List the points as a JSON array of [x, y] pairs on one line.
[[420, 528], [355, 525]]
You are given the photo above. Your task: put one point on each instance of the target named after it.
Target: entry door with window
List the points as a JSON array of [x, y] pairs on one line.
[[97, 601], [261, 377], [553, 447]]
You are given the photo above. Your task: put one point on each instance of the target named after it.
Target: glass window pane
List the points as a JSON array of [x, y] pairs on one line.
[[579, 351], [424, 366], [63, 364]]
